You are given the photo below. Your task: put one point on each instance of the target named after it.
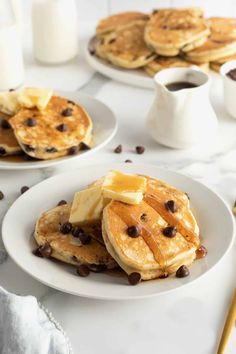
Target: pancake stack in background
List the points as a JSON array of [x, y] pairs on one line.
[[166, 38]]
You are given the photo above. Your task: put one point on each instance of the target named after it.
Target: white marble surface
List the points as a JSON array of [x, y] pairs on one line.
[[188, 321]]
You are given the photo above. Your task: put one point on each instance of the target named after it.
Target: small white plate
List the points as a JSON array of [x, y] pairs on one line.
[[137, 77], [213, 216], [104, 129]]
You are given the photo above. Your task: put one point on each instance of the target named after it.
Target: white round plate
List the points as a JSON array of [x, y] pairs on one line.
[[213, 216], [104, 129], [136, 77]]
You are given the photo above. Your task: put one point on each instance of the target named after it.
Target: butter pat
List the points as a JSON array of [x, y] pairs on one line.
[[124, 188], [31, 97], [87, 206], [9, 102]]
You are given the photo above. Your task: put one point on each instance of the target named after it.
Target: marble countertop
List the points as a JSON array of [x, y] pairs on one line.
[[187, 321]]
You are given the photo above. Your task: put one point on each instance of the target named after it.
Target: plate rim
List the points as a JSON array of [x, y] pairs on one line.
[[55, 162], [132, 296]]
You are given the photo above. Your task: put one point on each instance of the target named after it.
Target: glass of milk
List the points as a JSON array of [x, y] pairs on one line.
[[55, 34], [11, 58]]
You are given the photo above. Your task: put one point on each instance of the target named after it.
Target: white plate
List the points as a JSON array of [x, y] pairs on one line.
[[132, 77], [214, 219], [104, 128]]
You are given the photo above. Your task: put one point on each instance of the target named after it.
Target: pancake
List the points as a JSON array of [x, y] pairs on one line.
[[170, 31], [151, 254], [118, 21], [215, 65], [161, 63], [221, 42], [8, 143], [54, 130], [126, 48], [67, 248]]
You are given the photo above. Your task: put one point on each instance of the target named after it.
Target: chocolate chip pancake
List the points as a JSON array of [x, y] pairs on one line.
[[54, 131], [164, 235], [221, 42], [51, 230], [170, 31], [118, 21], [126, 48], [8, 143], [173, 62]]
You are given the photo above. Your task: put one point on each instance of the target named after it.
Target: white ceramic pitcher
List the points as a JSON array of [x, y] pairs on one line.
[[183, 118]]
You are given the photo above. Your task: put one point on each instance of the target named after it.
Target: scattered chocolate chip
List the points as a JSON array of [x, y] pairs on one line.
[[31, 122], [169, 231], [5, 124], [164, 275], [128, 161], [133, 231], [143, 217], [71, 102], [118, 149], [171, 206], [201, 252], [62, 202], [83, 271], [1, 195], [62, 128], [28, 147], [50, 150], [10, 90], [73, 150], [140, 149], [83, 146], [24, 189], [37, 253], [66, 228], [97, 268], [134, 278], [85, 238], [182, 272], [2, 151], [67, 112], [77, 231], [45, 250]]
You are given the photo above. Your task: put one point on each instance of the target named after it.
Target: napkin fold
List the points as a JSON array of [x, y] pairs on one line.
[[26, 327]]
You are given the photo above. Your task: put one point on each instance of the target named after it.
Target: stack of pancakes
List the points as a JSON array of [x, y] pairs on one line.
[[167, 238], [166, 38], [60, 129]]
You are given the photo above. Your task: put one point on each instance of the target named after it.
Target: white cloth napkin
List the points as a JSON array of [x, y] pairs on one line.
[[27, 328]]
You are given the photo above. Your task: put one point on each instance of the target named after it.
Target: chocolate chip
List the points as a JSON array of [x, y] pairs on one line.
[[24, 189], [92, 51], [143, 217], [1, 195], [45, 250], [133, 231], [154, 11], [2, 151], [112, 40], [28, 147], [140, 149], [66, 228], [134, 278], [77, 231], [5, 124], [50, 150], [31, 122], [164, 275], [62, 128], [84, 238], [171, 206], [118, 149], [37, 253], [169, 231], [128, 161], [182, 272], [71, 102], [83, 271], [97, 268], [67, 112], [83, 146], [73, 150], [62, 202], [201, 252], [10, 90]]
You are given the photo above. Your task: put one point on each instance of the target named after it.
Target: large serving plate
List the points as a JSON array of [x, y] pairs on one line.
[[104, 128], [213, 215]]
